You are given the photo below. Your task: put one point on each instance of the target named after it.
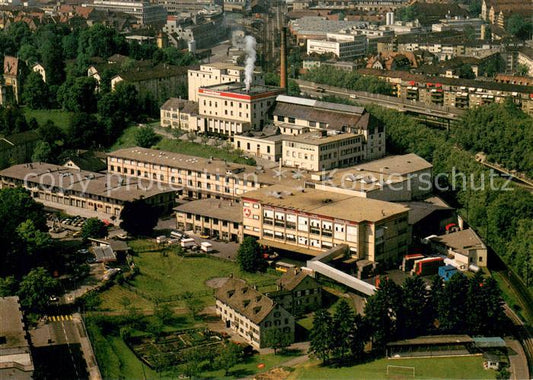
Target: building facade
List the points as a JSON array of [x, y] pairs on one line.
[[251, 314], [311, 221], [212, 217], [85, 193], [298, 292], [180, 114], [343, 46], [145, 12], [216, 73], [231, 108]]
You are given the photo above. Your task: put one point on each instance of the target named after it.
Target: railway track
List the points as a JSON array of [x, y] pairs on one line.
[[522, 334]]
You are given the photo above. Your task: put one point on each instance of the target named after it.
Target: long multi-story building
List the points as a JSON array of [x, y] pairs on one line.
[[231, 108], [294, 116], [343, 46], [193, 177], [310, 221], [85, 193], [454, 92], [145, 12], [217, 73]]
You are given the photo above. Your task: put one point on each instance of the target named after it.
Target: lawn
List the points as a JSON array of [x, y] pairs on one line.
[[470, 367], [249, 367], [127, 140], [163, 277], [59, 117]]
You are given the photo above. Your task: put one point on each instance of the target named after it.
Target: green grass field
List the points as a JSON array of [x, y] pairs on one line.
[[59, 117], [470, 367], [249, 367], [127, 140], [162, 277]]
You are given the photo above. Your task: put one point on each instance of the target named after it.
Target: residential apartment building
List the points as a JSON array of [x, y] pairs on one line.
[[212, 217], [203, 29], [497, 12], [298, 292], [343, 46], [145, 12], [85, 193], [217, 73], [175, 7], [525, 57], [231, 108], [251, 314], [319, 150], [15, 355], [180, 114], [10, 89], [295, 116], [454, 92], [310, 221], [192, 177]]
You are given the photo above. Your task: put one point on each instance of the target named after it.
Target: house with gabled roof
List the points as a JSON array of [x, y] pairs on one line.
[[251, 314], [298, 292]]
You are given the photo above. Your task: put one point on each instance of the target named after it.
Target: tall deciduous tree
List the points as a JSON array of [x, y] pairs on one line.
[[228, 356], [35, 92], [278, 340], [452, 304], [95, 228], [36, 288], [249, 256], [139, 218], [146, 137]]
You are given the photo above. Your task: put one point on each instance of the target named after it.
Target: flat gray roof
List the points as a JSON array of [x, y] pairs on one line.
[[15, 350], [214, 208]]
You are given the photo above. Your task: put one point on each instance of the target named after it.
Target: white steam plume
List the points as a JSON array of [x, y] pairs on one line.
[[249, 49]]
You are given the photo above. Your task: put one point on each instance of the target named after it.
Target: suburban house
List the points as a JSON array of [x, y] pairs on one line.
[[181, 114], [251, 314], [298, 292], [87, 160], [12, 86]]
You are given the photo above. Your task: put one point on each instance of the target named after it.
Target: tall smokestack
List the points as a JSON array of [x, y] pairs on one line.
[[249, 49], [283, 58]]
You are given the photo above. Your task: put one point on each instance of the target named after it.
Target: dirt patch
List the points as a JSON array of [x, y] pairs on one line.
[[273, 374], [216, 282]]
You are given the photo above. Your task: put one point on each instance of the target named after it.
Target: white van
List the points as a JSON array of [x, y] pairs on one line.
[[188, 243], [161, 239], [176, 235], [206, 246]]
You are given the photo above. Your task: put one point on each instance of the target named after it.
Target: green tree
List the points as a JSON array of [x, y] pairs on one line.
[[84, 131], [36, 288], [522, 70], [29, 54], [249, 256], [93, 227], [276, 339], [321, 339], [42, 152], [193, 359], [465, 71], [35, 92], [343, 325], [34, 240], [164, 313], [228, 356], [415, 297], [78, 95], [452, 304], [8, 286], [519, 26], [194, 304], [358, 337], [139, 218], [146, 137], [383, 314]]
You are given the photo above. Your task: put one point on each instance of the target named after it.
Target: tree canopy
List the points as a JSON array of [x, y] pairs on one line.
[[139, 218], [249, 256]]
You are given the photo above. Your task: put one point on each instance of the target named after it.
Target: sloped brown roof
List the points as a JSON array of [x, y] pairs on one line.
[[335, 120], [461, 241], [291, 279], [183, 105], [246, 300], [11, 65]]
